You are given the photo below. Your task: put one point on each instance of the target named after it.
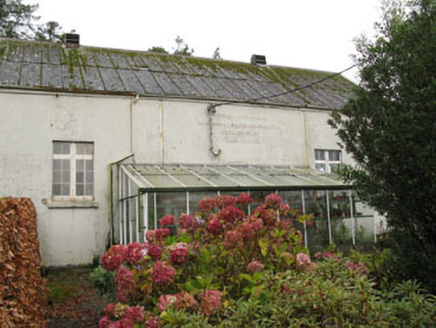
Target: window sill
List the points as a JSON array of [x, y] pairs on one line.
[[72, 204]]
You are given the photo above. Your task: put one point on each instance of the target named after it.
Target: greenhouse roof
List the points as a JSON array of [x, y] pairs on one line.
[[227, 177]]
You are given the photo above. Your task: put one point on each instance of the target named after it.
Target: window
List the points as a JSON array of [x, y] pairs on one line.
[[327, 160], [73, 171]]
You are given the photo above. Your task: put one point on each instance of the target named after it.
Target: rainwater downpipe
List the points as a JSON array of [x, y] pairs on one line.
[[211, 109], [132, 103]]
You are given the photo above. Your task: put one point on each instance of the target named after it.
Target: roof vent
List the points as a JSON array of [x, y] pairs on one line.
[[258, 60], [72, 40]]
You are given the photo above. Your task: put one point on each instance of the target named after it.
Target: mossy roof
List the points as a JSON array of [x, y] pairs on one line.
[[51, 66]]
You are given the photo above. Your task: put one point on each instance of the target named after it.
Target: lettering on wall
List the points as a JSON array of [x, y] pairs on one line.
[[242, 129]]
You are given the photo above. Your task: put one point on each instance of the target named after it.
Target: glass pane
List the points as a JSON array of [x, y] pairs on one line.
[[79, 189], [317, 229], [65, 164], [65, 177], [89, 165], [319, 155], [89, 176], [364, 230], [79, 165], [173, 203], [89, 191], [334, 155], [56, 165], [342, 231], [258, 197], [293, 198], [65, 190], [320, 167], [89, 149], [79, 177], [150, 201], [80, 149], [339, 204], [56, 190], [195, 197], [56, 177], [61, 147]]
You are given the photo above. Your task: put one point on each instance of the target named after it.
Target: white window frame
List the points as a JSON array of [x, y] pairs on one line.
[[326, 161], [73, 157]]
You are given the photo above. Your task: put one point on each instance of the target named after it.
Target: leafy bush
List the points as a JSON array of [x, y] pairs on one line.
[[228, 269], [103, 280]]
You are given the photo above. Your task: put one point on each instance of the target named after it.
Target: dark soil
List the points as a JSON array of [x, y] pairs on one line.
[[73, 301]]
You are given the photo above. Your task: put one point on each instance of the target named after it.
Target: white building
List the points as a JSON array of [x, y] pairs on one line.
[[71, 116]]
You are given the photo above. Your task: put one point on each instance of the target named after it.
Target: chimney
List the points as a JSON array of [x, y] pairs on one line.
[[258, 60], [72, 40]]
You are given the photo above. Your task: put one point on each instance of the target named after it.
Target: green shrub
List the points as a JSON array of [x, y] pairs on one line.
[[102, 280], [228, 269]]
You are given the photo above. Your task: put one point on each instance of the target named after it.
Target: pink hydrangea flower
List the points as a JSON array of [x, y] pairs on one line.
[[135, 314], [179, 255], [113, 258], [247, 229], [124, 280], [165, 302], [135, 252], [214, 226], [303, 259], [255, 266], [186, 221], [104, 322], [167, 220], [233, 239], [153, 322], [185, 301], [256, 222], [124, 277], [273, 201], [109, 310], [231, 214], [155, 252], [206, 205], [284, 209], [243, 199], [158, 235], [225, 201], [163, 274], [211, 302], [360, 267], [268, 216]]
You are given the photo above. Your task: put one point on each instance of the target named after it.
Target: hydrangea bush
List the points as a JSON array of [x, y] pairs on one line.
[[211, 260], [227, 268]]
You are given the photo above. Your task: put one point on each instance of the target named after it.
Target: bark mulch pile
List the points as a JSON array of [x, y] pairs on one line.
[[23, 300]]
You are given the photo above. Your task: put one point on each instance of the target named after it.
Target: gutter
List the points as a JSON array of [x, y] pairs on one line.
[[132, 103]]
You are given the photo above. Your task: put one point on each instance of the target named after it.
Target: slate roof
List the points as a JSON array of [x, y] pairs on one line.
[[51, 66]]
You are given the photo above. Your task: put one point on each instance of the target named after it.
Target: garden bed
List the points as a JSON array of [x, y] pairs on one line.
[[73, 302]]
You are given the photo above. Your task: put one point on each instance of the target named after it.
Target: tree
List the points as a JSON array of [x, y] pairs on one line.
[[50, 31], [389, 127], [18, 21]]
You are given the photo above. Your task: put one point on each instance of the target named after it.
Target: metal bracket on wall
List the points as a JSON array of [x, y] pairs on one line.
[[211, 109]]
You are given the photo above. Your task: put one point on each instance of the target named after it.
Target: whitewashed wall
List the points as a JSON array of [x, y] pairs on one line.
[[164, 132]]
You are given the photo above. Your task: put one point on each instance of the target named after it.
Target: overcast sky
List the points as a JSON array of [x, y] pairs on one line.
[[316, 34]]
